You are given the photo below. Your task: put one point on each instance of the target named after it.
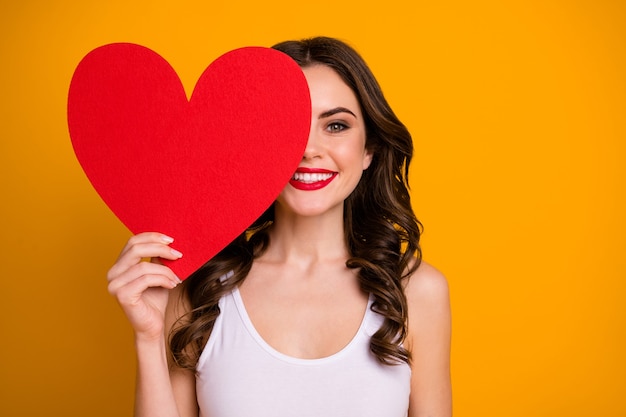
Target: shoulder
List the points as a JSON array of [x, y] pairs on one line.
[[428, 340], [426, 283], [428, 301]]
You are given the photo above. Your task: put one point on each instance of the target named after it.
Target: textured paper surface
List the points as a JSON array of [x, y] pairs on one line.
[[199, 170]]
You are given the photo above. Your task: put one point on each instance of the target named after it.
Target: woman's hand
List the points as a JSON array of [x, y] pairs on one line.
[[142, 288]]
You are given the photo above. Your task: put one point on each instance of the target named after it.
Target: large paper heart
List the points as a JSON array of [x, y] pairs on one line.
[[200, 170]]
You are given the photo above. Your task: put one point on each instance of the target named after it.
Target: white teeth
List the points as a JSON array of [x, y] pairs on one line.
[[309, 178]]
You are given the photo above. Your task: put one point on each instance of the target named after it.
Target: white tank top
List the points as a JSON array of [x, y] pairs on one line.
[[240, 375]]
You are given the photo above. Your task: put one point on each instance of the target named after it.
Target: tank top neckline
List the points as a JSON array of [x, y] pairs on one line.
[[252, 331]]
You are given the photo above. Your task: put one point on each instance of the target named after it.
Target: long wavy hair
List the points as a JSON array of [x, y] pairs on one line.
[[381, 230]]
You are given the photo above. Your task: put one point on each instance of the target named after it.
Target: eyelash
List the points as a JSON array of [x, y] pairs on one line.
[[336, 127]]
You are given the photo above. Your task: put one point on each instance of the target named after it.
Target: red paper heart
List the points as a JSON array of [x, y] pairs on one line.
[[200, 170]]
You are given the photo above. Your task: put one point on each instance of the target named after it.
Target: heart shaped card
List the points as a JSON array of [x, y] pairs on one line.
[[201, 169]]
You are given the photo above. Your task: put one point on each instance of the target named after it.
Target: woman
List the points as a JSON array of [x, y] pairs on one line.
[[323, 307]]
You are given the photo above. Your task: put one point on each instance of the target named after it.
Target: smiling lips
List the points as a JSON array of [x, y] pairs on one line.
[[311, 179]]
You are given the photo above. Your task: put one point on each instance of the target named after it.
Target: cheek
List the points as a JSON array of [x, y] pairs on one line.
[[353, 155]]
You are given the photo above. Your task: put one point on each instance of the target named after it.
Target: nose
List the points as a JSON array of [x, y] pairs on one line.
[[313, 146]]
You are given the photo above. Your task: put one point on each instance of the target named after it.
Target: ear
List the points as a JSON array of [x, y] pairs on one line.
[[367, 158]]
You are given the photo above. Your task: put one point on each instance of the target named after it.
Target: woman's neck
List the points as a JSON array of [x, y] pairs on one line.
[[307, 239]]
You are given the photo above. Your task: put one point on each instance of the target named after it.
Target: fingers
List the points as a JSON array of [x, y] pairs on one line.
[[141, 246], [141, 288], [140, 277]]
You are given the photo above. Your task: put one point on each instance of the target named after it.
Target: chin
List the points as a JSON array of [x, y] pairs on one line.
[[310, 209]]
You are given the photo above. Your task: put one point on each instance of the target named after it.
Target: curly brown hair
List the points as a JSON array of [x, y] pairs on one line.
[[381, 230]]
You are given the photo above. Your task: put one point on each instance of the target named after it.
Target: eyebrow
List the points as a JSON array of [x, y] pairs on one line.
[[334, 111]]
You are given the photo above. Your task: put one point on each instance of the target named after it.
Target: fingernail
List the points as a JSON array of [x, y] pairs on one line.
[[167, 239], [176, 253]]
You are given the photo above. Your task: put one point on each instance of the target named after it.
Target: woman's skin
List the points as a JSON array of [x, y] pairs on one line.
[[300, 295]]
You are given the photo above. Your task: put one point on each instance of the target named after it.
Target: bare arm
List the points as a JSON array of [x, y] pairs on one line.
[[143, 291], [429, 341]]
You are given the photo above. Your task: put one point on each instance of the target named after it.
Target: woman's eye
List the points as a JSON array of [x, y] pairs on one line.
[[336, 127]]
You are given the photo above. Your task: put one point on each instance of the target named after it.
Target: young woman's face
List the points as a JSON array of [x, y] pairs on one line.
[[335, 155]]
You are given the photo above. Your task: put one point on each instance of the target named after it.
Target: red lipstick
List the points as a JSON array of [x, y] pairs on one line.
[[311, 179]]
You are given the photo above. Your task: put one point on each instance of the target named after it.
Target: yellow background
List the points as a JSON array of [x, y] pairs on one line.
[[518, 114]]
